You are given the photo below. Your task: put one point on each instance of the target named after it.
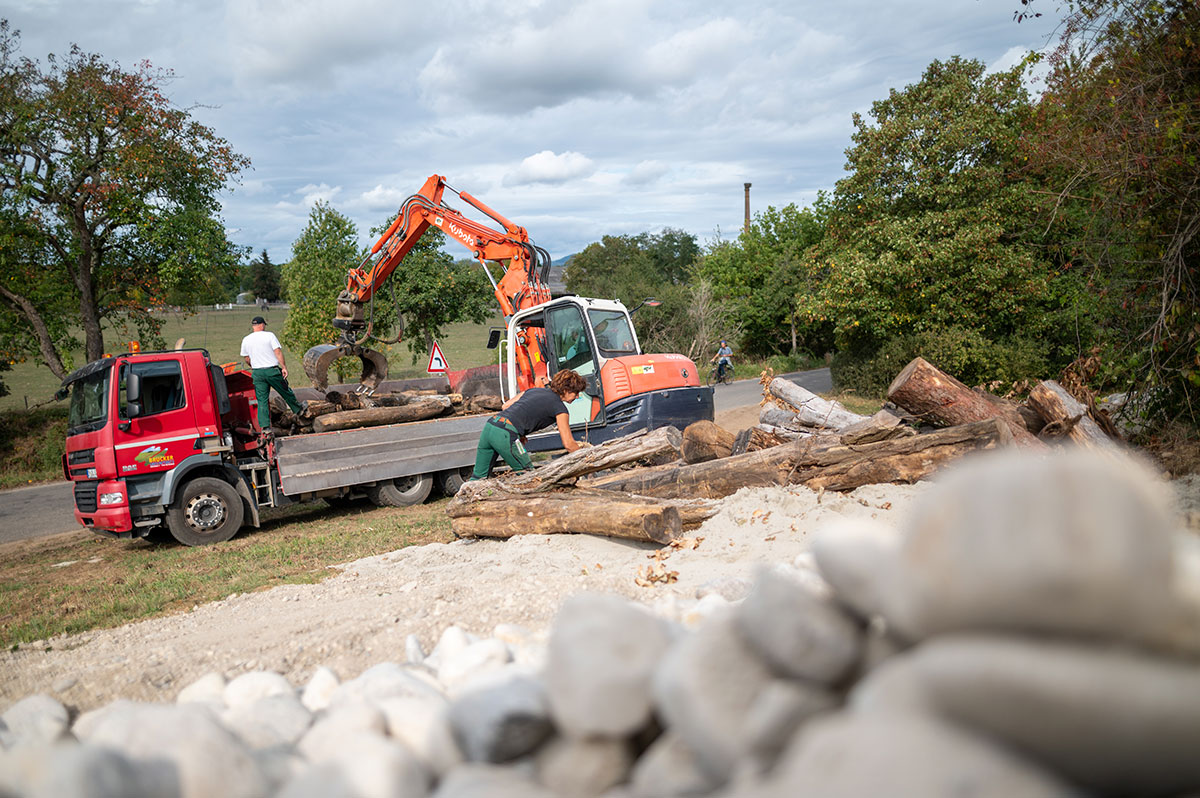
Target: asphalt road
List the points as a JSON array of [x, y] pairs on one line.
[[48, 509]]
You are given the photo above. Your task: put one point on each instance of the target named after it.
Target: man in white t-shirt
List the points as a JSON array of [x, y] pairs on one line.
[[264, 355]]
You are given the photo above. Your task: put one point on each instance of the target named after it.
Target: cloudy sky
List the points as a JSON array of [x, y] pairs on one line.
[[574, 118]]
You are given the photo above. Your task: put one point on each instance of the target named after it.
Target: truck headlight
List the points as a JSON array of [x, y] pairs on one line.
[[116, 497]]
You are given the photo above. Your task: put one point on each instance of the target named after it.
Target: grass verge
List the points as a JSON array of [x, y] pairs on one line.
[[86, 582]]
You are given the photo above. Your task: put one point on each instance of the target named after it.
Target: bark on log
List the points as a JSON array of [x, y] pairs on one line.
[[825, 463], [1067, 416], [753, 439], [319, 407], [712, 480], [773, 415], [377, 416], [610, 454], [484, 403], [880, 427], [934, 396], [811, 410], [563, 512], [704, 441]]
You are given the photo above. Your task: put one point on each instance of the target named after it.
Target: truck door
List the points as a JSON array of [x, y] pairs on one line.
[[571, 347], [164, 434]]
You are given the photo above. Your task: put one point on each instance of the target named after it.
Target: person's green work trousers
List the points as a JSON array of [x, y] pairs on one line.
[[503, 440], [264, 381]]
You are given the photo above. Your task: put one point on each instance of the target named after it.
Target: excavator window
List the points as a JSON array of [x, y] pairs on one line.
[[572, 346]]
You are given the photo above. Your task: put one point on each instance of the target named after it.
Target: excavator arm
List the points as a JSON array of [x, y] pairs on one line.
[[522, 284]]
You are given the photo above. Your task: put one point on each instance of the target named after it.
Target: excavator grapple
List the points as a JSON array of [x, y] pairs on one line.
[[318, 359]]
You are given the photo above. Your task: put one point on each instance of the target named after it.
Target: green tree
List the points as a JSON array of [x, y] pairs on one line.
[[764, 274], [430, 290], [108, 196], [265, 278], [1117, 136], [929, 237], [316, 274], [633, 267]]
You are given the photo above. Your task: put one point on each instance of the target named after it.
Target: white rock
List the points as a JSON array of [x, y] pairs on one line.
[[423, 724], [379, 768], [489, 781], [1072, 543], [777, 713], [188, 736], [208, 689], [274, 720], [855, 756], [1116, 721], [730, 588], [501, 718], [601, 659], [704, 689], [577, 768], [798, 632], [413, 651], [477, 659], [452, 641], [857, 557], [703, 609], [36, 719], [250, 687], [341, 721], [83, 771], [385, 680], [320, 689], [670, 767], [319, 781]]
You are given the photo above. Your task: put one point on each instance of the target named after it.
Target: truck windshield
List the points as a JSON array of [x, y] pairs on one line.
[[613, 334], [89, 403]]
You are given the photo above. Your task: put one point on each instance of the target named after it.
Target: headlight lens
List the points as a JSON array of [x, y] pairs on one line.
[[115, 497]]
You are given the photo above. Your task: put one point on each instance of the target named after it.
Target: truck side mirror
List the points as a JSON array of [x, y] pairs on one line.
[[133, 395]]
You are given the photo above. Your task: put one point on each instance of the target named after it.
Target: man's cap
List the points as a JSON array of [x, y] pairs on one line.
[[258, 320]]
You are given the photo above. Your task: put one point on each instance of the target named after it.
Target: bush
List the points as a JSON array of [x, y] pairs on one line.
[[958, 351], [31, 445]]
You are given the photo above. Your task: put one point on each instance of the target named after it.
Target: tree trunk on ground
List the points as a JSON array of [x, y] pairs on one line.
[[1065, 416], [827, 463], [880, 427], [641, 445], [712, 480], [811, 410], [377, 416], [754, 439], [319, 407], [704, 441], [934, 396], [773, 415]]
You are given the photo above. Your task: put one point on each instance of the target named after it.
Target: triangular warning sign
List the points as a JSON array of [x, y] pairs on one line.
[[437, 361]]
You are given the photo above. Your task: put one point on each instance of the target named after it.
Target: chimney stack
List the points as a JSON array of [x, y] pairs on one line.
[[747, 228]]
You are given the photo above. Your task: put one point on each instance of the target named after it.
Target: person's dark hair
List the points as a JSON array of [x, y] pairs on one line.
[[567, 381]]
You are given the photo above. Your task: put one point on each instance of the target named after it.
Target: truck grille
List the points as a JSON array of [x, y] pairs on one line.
[[85, 496], [81, 456]]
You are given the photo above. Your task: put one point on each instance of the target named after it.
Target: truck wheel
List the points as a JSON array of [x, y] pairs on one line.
[[401, 491], [207, 510], [450, 481]]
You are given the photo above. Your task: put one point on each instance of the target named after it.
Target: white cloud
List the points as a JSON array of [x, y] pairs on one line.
[[646, 172], [550, 167]]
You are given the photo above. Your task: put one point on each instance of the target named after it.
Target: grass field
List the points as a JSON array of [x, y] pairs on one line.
[[221, 333]]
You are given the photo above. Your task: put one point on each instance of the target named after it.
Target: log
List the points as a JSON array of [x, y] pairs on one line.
[[773, 415], [318, 407], [564, 512], [704, 441], [828, 464], [484, 403], [377, 416], [811, 410], [712, 480], [880, 427], [640, 445], [935, 397], [753, 439], [1066, 416]]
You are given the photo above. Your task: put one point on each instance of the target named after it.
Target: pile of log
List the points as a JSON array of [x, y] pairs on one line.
[[617, 488], [347, 410]]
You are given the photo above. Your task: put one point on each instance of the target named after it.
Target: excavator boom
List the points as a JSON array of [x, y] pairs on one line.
[[522, 284]]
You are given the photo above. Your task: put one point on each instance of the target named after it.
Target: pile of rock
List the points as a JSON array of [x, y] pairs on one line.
[[1033, 629]]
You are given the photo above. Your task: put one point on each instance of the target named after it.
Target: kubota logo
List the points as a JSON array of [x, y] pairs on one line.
[[461, 234]]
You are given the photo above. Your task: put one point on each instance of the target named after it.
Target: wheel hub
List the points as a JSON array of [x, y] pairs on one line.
[[205, 512]]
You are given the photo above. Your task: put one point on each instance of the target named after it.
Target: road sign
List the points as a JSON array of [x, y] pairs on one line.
[[437, 361]]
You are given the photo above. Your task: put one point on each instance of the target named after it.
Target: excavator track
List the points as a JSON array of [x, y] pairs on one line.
[[318, 360]]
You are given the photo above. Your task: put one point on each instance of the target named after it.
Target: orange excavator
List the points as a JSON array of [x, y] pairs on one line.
[[627, 388]]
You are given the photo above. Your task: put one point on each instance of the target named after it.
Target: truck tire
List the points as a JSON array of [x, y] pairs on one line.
[[401, 491], [449, 482], [206, 510]]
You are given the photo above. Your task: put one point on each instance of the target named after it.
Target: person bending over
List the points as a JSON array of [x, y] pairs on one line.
[[504, 435]]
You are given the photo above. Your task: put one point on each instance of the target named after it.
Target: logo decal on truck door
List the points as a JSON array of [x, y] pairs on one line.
[[155, 456]]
